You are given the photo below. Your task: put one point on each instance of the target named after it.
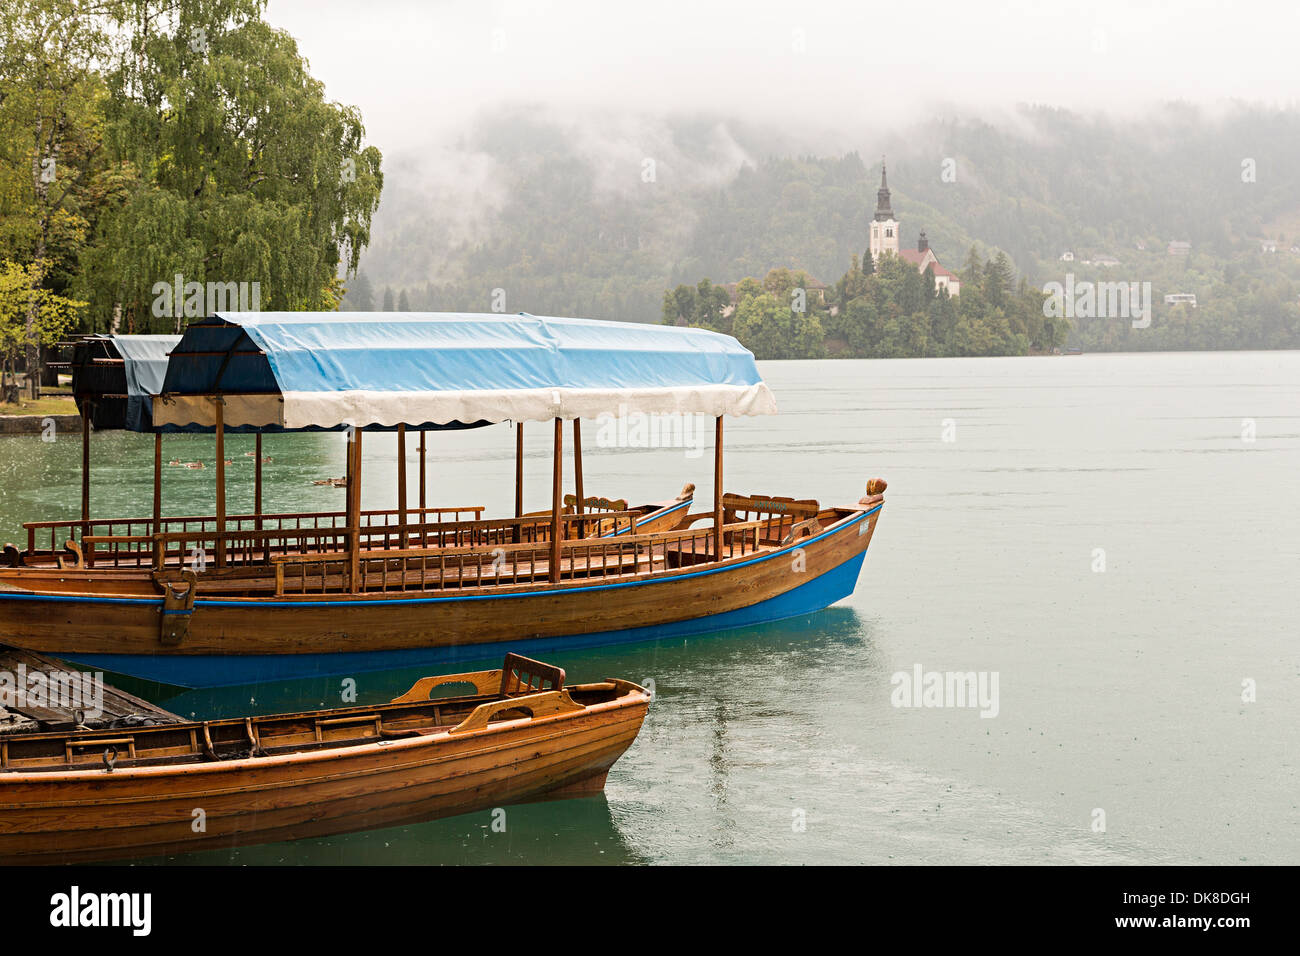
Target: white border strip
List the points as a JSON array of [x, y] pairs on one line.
[[328, 409]]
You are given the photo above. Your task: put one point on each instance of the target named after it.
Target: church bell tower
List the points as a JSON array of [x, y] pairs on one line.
[[884, 227]]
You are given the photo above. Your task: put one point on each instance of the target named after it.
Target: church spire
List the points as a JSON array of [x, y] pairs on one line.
[[883, 210]]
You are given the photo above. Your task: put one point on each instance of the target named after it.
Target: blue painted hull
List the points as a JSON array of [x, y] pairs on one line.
[[222, 670]]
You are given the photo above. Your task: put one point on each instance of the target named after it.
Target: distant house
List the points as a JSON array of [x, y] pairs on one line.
[[1067, 255], [1107, 261], [733, 293], [1140, 246], [1181, 298], [1268, 245], [816, 290], [1179, 248]]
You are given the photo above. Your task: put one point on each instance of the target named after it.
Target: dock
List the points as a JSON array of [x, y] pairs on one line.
[[20, 716]]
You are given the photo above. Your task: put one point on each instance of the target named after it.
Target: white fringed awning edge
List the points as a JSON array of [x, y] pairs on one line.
[[388, 408]]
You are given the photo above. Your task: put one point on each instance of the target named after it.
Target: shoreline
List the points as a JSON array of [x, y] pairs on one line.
[[35, 423]]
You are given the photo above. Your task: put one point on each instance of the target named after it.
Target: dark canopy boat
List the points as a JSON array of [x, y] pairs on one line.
[[115, 377], [281, 596]]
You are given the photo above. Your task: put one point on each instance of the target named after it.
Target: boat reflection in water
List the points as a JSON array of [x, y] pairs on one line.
[[577, 831]]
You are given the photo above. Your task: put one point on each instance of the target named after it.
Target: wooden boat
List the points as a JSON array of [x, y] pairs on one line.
[[283, 596], [522, 735]]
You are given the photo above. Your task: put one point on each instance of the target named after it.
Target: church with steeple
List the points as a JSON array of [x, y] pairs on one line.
[[884, 239]]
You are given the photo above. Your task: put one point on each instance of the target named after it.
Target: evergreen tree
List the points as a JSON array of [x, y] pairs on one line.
[[972, 272], [403, 302], [680, 305], [999, 279], [710, 303], [359, 297], [388, 300]]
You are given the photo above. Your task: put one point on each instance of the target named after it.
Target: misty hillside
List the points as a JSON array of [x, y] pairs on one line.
[[598, 220]]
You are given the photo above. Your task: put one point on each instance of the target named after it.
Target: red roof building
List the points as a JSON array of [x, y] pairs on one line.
[[923, 256]]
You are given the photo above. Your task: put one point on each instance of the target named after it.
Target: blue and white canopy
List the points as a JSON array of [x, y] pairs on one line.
[[303, 369]]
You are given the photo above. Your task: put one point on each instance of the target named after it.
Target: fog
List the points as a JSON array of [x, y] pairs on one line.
[[421, 71]]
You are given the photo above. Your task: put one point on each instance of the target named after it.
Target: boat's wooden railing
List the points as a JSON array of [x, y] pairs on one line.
[[58, 532], [132, 543], [488, 532], [235, 548], [252, 546], [440, 569]]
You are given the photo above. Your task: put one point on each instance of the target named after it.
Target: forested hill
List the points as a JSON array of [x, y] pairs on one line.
[[563, 218]]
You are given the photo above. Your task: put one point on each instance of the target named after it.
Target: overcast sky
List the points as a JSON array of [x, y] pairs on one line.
[[419, 69]]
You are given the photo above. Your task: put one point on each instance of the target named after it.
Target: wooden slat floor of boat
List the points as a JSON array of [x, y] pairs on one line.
[[117, 703]]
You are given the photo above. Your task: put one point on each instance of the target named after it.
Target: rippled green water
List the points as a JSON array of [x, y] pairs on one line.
[[1119, 690]]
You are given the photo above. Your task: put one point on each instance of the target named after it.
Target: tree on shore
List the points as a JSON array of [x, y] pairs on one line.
[[50, 151], [30, 316], [145, 140]]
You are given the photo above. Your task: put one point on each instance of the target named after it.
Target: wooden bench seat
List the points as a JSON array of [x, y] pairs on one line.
[[779, 515]]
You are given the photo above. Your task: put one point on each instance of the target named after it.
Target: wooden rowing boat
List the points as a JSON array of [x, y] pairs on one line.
[[522, 735]]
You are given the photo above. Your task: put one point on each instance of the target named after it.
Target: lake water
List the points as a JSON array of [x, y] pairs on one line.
[[1115, 536]]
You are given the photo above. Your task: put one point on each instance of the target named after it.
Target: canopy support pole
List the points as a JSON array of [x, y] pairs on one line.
[[221, 480], [577, 472], [717, 490], [424, 517], [557, 479], [354, 510], [401, 482], [519, 469], [347, 482], [85, 468], [157, 482], [257, 481]]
